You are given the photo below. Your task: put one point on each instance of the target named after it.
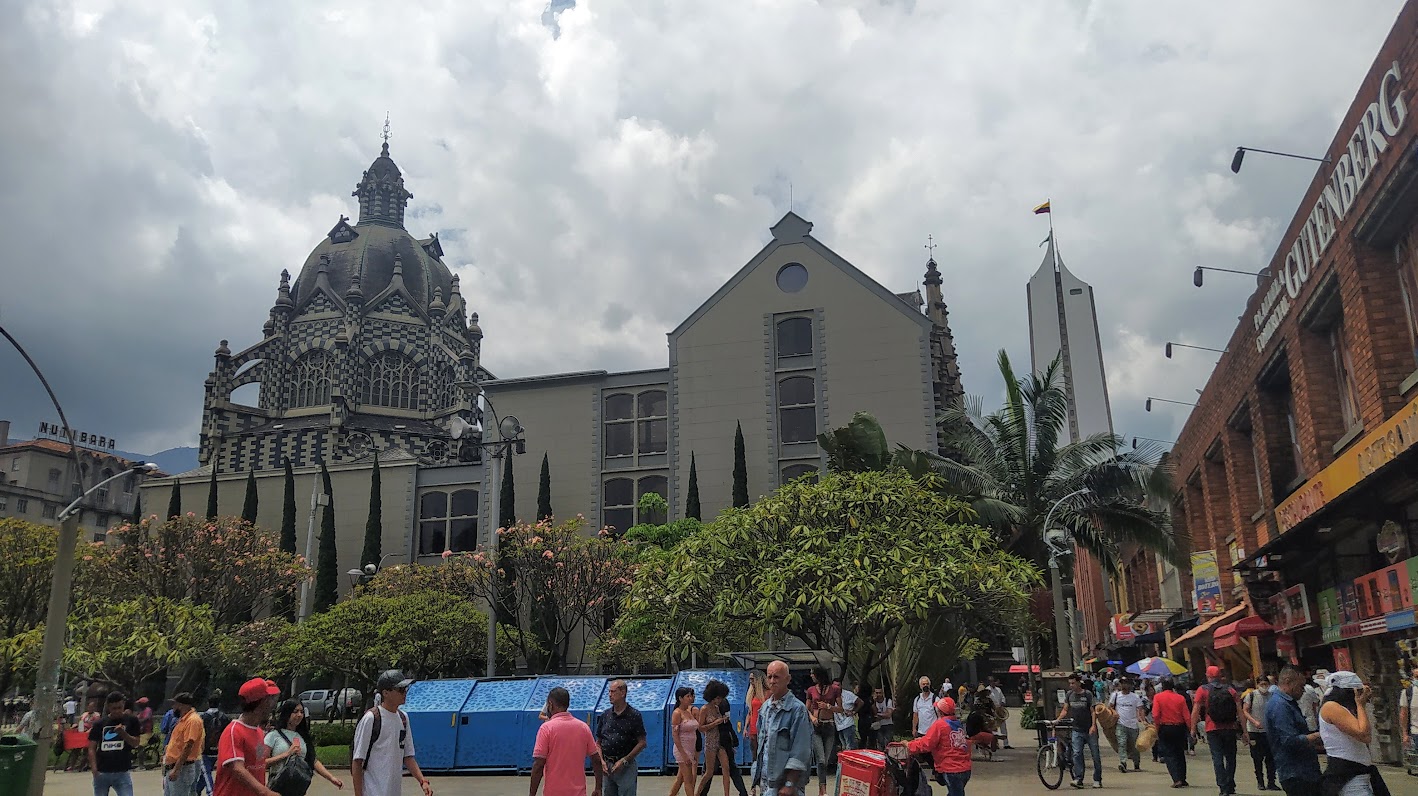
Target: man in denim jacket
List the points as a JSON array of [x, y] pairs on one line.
[[784, 739]]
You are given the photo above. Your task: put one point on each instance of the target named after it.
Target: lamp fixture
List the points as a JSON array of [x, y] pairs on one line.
[[1150, 399], [1242, 150], [1170, 344]]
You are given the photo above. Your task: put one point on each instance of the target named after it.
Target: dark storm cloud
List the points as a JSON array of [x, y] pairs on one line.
[[162, 163]]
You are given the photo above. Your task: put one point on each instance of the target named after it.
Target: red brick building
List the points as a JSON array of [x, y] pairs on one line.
[[1297, 469]]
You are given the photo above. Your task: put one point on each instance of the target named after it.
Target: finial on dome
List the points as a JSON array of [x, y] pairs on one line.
[[437, 308], [398, 265], [455, 288], [384, 151], [474, 330], [354, 293], [324, 264], [283, 298], [222, 350], [932, 272]]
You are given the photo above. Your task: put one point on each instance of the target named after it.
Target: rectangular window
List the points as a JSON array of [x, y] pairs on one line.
[[448, 521], [4, 502], [49, 512], [101, 521], [1288, 402], [22, 506], [635, 424], [1405, 256], [54, 476], [15, 465], [102, 496], [1344, 376]]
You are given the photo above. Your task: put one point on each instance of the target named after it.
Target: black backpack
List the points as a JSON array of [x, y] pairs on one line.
[[1221, 705], [213, 723], [378, 727]]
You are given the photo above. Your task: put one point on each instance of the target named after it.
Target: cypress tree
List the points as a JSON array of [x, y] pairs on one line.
[[137, 515], [740, 469], [251, 502], [374, 526], [174, 503], [285, 606], [691, 507], [327, 570], [212, 493], [544, 491], [507, 510], [288, 512]]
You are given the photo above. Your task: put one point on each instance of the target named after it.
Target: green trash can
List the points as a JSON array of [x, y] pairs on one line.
[[17, 754]]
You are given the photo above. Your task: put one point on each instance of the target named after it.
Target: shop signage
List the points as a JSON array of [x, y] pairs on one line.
[[1292, 609], [1206, 582], [1379, 602], [1122, 631], [61, 433], [1396, 435], [1342, 661], [1384, 117], [1285, 648]]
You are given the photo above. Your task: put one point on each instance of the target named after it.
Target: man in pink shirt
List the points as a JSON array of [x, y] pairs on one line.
[[563, 744]]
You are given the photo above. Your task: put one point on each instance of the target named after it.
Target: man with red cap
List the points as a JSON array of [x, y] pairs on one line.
[[1218, 703], [241, 752], [948, 746]]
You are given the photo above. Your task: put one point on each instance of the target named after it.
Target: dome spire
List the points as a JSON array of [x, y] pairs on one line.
[[382, 197]]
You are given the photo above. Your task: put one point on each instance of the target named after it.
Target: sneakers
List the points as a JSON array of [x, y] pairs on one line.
[[1136, 766], [1097, 784], [1122, 767], [1078, 783]]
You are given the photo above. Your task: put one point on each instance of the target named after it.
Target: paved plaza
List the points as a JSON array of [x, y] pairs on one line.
[[1010, 774]]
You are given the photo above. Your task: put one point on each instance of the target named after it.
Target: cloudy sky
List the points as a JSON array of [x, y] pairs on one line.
[[596, 170]]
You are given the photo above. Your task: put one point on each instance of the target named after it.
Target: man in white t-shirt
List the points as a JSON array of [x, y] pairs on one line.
[[1310, 700], [882, 708], [1128, 704], [379, 762], [997, 696], [71, 707], [846, 720], [923, 713]]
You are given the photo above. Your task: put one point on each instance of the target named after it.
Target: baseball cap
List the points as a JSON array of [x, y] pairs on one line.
[[143, 701], [1213, 672], [257, 689], [392, 680], [945, 706]]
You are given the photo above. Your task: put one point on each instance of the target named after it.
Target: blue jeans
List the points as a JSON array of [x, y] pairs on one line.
[[120, 781], [623, 782], [847, 739], [187, 777], [1081, 740], [1222, 744], [955, 783]]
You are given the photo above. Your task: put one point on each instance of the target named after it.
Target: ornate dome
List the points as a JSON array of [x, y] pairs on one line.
[[372, 247]]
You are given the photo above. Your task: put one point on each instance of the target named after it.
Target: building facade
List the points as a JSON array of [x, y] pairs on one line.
[[1296, 476], [37, 481], [1063, 325], [371, 350]]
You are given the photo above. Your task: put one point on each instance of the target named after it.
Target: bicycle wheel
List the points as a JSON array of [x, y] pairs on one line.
[[1050, 772]]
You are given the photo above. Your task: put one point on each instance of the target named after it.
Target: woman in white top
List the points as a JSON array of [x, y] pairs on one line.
[[1345, 731], [291, 738]]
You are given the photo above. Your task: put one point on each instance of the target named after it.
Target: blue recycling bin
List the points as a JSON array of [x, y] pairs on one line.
[[737, 681], [490, 734], [434, 708], [586, 693], [649, 695]]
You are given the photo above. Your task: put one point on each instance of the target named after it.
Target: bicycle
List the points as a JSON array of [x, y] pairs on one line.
[[1055, 752]]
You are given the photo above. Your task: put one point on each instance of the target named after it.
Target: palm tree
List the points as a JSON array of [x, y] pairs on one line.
[[1012, 468]]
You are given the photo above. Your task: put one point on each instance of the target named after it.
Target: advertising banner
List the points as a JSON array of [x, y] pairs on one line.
[[1206, 582], [1292, 609]]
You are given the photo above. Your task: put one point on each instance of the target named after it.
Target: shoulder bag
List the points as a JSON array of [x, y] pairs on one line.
[[293, 778]]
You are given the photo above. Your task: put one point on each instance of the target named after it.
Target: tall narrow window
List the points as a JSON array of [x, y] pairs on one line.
[[1406, 258], [635, 424], [619, 421], [54, 476], [433, 523], [652, 422], [797, 409], [1344, 375], [391, 379], [310, 379], [794, 338], [618, 504]]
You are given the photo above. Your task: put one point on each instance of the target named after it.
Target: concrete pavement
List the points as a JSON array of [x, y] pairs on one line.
[[1010, 774]]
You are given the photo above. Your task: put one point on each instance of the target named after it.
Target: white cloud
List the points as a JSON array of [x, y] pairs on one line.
[[165, 162]]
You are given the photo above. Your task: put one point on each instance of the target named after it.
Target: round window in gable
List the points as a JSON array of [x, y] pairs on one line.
[[792, 278]]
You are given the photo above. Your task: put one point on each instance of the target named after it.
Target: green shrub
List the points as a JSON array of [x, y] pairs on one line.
[[334, 756], [332, 734]]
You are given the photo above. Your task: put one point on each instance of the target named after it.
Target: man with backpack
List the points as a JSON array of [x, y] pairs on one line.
[[213, 722], [1218, 704], [383, 746]]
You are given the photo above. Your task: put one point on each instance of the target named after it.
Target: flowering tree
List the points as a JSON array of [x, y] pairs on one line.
[[561, 586], [227, 564]]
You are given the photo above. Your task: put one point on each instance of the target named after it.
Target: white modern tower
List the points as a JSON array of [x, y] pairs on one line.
[[1063, 318]]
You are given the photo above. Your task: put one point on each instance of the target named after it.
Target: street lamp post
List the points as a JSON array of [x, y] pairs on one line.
[[1150, 399], [1197, 274], [509, 439], [1242, 150], [1171, 345], [1057, 542]]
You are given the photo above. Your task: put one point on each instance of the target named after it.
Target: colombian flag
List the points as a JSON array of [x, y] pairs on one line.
[[1041, 209]]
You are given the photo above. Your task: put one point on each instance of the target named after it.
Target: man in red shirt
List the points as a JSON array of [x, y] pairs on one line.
[[1174, 729], [241, 752], [949, 747], [1223, 723]]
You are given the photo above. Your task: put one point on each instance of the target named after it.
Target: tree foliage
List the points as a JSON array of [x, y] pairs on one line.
[[227, 565], [1015, 464], [740, 469], [327, 567], [28, 552], [374, 524], [561, 585], [859, 446], [507, 499], [174, 501], [544, 491], [845, 565]]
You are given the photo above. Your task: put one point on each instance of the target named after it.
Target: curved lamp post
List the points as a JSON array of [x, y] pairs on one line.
[[1057, 542], [46, 689]]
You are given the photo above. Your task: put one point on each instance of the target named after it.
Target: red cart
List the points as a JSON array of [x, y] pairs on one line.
[[862, 772]]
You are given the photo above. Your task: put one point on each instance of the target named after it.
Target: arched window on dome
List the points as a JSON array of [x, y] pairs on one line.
[[310, 379], [390, 379]]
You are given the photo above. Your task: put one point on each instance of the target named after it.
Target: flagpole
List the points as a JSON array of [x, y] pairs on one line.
[[1053, 242]]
